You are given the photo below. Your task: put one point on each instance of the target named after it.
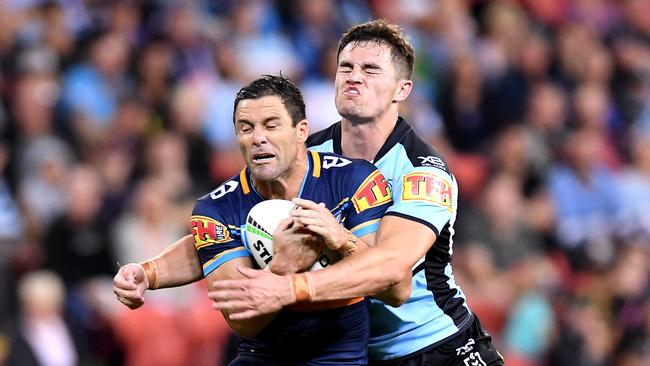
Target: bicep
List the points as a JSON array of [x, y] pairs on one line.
[[369, 239], [228, 270], [406, 239]]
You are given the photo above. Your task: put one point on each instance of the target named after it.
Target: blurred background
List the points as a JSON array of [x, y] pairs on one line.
[[115, 116]]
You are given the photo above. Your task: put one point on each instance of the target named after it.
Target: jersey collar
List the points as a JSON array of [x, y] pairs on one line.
[[400, 130], [313, 170]]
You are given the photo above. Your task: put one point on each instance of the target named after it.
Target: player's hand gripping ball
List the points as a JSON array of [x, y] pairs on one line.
[[262, 221]]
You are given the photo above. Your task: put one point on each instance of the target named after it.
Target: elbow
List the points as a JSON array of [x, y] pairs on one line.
[[402, 294], [399, 290], [393, 278]]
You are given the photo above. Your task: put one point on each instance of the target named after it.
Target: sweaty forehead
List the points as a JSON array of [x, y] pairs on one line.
[[260, 109]]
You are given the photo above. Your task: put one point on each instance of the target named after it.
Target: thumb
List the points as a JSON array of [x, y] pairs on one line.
[[284, 224], [248, 272], [134, 272]]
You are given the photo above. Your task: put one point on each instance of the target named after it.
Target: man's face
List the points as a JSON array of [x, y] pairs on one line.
[[267, 138], [366, 81]]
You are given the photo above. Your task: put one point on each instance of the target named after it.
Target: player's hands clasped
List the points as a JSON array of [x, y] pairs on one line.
[[129, 285], [319, 220], [295, 248]]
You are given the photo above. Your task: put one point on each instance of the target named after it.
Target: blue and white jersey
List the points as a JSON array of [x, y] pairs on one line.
[[425, 191]]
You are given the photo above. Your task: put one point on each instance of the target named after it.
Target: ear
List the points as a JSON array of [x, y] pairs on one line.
[[404, 88], [302, 130]]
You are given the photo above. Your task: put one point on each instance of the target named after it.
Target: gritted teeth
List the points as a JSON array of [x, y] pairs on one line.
[[261, 157]]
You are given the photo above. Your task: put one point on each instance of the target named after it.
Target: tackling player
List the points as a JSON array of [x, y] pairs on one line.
[[435, 325]]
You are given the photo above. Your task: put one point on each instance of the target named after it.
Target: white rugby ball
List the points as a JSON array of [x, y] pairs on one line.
[[261, 222]]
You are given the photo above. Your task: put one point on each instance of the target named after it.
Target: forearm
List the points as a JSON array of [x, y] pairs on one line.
[[397, 294], [365, 273], [383, 267], [177, 265], [285, 263]]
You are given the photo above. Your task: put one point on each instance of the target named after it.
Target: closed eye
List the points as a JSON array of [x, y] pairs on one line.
[[372, 69], [345, 67], [245, 128]]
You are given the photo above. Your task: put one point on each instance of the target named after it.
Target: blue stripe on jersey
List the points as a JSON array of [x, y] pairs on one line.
[[366, 228], [244, 238], [241, 252]]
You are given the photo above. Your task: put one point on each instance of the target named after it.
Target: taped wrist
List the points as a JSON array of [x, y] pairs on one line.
[[151, 272], [302, 286]]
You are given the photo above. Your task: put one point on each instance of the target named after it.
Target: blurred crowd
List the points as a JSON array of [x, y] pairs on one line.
[[116, 115]]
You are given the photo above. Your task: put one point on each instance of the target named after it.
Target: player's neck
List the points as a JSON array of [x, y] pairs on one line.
[[287, 185], [363, 140]]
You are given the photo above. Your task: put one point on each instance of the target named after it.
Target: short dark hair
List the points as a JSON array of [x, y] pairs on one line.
[[381, 31], [269, 85]]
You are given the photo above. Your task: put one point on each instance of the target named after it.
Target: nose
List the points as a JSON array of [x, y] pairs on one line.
[[355, 75], [259, 136]]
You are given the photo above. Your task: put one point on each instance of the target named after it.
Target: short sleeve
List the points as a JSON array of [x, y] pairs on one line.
[[371, 196], [427, 195], [213, 238]]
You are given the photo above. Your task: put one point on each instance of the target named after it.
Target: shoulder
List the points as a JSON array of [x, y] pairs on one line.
[[422, 154], [340, 164], [222, 197], [322, 136]]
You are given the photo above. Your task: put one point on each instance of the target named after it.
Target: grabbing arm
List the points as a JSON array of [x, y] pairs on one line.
[[387, 266], [384, 269], [246, 328], [177, 265]]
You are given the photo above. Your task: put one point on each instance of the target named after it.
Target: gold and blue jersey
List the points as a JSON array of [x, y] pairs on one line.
[[358, 195], [424, 191], [355, 191]]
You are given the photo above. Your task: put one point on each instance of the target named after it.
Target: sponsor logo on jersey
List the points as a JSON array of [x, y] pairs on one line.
[[373, 192], [432, 161], [428, 187], [467, 348], [208, 231], [474, 359]]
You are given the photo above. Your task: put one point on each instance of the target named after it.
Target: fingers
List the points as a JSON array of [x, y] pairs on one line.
[[238, 306], [135, 294], [131, 303], [237, 310], [248, 272], [124, 283], [132, 299], [247, 314], [284, 224], [306, 204], [131, 272], [128, 287]]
